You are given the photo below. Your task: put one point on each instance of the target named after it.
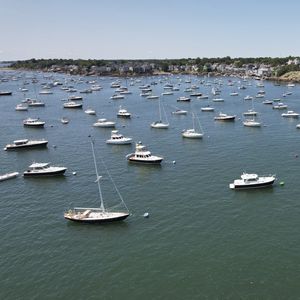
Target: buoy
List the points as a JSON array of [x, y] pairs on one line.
[[74, 173], [54, 146], [281, 183], [146, 215], [174, 162], [296, 155], [51, 126]]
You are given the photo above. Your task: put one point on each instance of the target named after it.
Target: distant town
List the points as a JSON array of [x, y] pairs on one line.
[[287, 68]]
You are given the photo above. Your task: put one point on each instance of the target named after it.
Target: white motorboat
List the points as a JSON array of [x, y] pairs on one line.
[[196, 94], [202, 97], [104, 123], [43, 169], [117, 97], [34, 102], [207, 108], [290, 114], [118, 139], [31, 122], [90, 111], [123, 113], [100, 214], [25, 143], [183, 99], [152, 97], [179, 112], [250, 112], [280, 105], [218, 100], [252, 181], [248, 97], [234, 94], [224, 117], [8, 176], [270, 102], [75, 98], [21, 107], [72, 104], [143, 155], [251, 123], [45, 92]]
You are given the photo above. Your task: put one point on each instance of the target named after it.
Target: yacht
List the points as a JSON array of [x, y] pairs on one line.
[[123, 113], [21, 107], [144, 156], [33, 122], [290, 114], [104, 123], [72, 104], [252, 181], [118, 139], [225, 117], [25, 143], [43, 169], [90, 111]]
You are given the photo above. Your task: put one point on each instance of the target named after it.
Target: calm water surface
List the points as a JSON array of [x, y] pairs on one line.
[[202, 240]]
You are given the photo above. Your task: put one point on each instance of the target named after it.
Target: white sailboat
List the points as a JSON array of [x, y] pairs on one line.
[[160, 124], [192, 133], [100, 214]]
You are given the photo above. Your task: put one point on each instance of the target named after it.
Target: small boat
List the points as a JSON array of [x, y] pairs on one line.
[[183, 99], [195, 94], [224, 117], [43, 169], [218, 100], [21, 107], [167, 93], [290, 114], [34, 102], [143, 156], [104, 123], [202, 97], [152, 97], [270, 102], [25, 143], [298, 126], [90, 111], [86, 91], [207, 108], [64, 120], [234, 94], [5, 93], [72, 104], [116, 97], [118, 139], [248, 97], [30, 122], [252, 181], [251, 123], [45, 92], [100, 214], [123, 113], [259, 96], [179, 112], [75, 98], [8, 176], [250, 112]]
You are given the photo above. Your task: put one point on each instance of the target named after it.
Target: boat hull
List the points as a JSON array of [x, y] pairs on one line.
[[43, 174], [252, 186], [40, 145], [145, 162], [97, 221]]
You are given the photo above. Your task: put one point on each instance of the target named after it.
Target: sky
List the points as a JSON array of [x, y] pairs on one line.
[[153, 29]]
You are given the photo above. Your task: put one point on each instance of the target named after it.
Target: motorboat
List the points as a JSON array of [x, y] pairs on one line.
[[104, 123], [218, 100], [31, 122], [43, 169], [21, 107], [179, 112], [152, 97], [202, 97], [196, 94], [25, 143], [251, 123], [234, 94], [183, 99], [116, 97], [280, 105], [8, 176], [34, 103], [270, 102], [100, 214], [207, 108], [250, 112], [118, 139], [252, 181], [123, 113], [45, 92], [75, 98], [5, 93], [72, 104], [248, 97], [224, 117], [143, 155], [86, 91], [90, 111], [290, 114]]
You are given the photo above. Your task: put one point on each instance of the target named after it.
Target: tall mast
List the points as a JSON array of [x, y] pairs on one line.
[[98, 179]]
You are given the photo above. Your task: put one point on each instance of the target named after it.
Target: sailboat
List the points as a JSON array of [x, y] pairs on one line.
[[251, 122], [160, 124], [192, 133], [100, 214]]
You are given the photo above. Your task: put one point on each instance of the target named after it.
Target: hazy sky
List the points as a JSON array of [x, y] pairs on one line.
[[132, 29]]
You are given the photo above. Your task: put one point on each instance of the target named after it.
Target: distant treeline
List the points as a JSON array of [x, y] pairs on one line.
[[160, 64]]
